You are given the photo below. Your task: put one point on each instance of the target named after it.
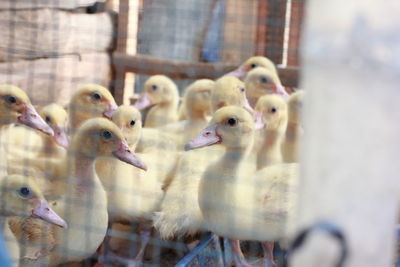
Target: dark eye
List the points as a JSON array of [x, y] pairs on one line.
[[273, 110], [154, 87], [253, 65], [106, 135], [11, 99], [132, 123], [96, 96], [24, 192], [263, 80], [232, 121], [241, 89], [47, 118]]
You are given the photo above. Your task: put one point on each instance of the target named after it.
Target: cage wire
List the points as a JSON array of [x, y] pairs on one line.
[[53, 50]]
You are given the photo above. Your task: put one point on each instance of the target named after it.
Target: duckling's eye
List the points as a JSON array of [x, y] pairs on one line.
[[132, 123], [232, 121], [96, 96], [24, 192], [11, 99], [106, 135], [154, 87], [241, 89], [273, 110], [48, 120], [253, 65], [263, 80]]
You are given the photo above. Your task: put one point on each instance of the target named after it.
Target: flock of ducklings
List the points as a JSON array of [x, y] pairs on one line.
[[69, 176]]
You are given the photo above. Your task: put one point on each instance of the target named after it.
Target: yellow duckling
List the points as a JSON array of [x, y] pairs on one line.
[[84, 202], [252, 63], [294, 130], [274, 113], [161, 92], [261, 81], [21, 197], [238, 204], [197, 107], [90, 101]]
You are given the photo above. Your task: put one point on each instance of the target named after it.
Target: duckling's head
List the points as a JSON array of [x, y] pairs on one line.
[[197, 96], [158, 89], [129, 120], [229, 91], [90, 101], [101, 137], [273, 111], [230, 126], [21, 196], [261, 81], [295, 106], [15, 107], [56, 116], [252, 63]]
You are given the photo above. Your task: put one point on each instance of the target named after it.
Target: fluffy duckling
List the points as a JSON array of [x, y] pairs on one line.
[[252, 63], [229, 90], [294, 130], [20, 196], [274, 113], [162, 92], [261, 81], [238, 204], [197, 106], [57, 117], [90, 101], [84, 202]]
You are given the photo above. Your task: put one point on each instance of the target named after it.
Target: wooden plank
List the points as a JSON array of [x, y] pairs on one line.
[[30, 34], [350, 158], [240, 29], [296, 23], [144, 64], [29, 4], [261, 39], [55, 79]]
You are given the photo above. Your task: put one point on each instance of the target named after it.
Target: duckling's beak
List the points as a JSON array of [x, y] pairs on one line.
[[44, 212], [61, 137], [280, 90], [247, 106], [207, 137], [125, 154], [31, 118], [111, 108], [259, 124], [239, 73], [143, 102]]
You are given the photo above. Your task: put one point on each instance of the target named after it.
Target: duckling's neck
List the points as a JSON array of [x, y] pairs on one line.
[[293, 131], [196, 115], [233, 158], [270, 149], [50, 146], [81, 168]]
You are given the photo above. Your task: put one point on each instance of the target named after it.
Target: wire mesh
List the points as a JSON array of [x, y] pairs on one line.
[[56, 50]]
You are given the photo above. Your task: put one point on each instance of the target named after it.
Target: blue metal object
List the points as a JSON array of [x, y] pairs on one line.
[[207, 253]]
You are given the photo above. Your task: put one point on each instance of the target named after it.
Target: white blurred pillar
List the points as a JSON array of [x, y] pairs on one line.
[[351, 150]]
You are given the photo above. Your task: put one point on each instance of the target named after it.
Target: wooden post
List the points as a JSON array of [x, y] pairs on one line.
[[296, 23], [350, 160]]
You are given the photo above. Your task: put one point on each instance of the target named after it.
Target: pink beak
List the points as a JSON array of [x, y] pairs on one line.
[[31, 118], [44, 212], [247, 106], [61, 137], [143, 102], [126, 155], [239, 73], [207, 137], [259, 124], [111, 108], [280, 90]]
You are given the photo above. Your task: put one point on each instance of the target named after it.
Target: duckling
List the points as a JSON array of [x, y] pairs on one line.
[[294, 130], [197, 106], [20, 196], [162, 92], [273, 109], [261, 81], [229, 90], [252, 63], [84, 201], [57, 117], [238, 204], [90, 101]]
